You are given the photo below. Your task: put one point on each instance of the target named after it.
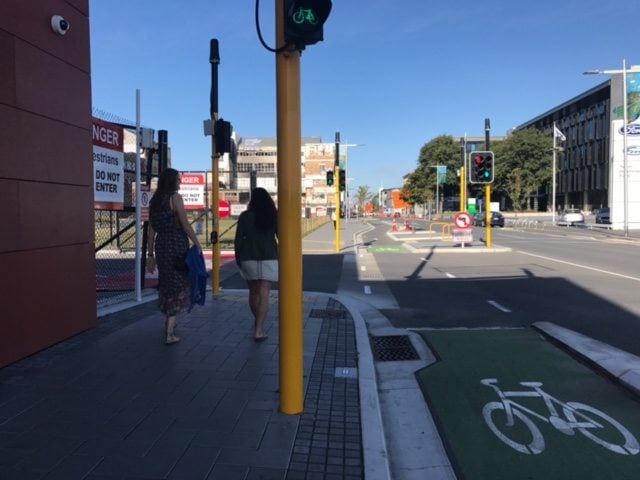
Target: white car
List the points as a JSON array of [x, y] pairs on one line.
[[571, 216]]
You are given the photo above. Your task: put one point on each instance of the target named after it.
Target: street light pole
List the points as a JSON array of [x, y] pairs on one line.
[[437, 167], [625, 160], [346, 172], [553, 178]]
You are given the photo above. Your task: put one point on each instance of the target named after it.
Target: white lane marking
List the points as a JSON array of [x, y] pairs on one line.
[[450, 275], [367, 289], [586, 267], [498, 306]]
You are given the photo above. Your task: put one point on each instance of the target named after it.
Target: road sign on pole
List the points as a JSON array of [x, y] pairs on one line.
[[463, 220], [224, 209]]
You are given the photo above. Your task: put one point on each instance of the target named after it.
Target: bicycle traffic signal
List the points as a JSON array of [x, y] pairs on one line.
[[343, 180], [330, 178], [481, 167], [303, 21]]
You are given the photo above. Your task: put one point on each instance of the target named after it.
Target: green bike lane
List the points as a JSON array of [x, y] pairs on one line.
[[509, 404]]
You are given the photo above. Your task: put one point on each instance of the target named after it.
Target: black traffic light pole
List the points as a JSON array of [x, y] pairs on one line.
[[214, 60]]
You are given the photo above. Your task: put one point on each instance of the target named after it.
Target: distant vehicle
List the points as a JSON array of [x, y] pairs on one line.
[[571, 216], [480, 219], [603, 216]]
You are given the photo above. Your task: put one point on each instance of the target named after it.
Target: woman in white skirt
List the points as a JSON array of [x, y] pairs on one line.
[[256, 250]]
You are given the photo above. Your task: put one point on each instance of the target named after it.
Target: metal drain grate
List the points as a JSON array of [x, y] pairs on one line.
[[393, 348], [327, 313]]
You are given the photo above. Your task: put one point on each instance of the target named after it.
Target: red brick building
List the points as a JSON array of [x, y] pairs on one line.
[[47, 265]]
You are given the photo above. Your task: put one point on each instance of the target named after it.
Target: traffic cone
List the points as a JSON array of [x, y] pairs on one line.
[[394, 227]]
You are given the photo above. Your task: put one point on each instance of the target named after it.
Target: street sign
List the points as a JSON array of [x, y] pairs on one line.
[[224, 209], [145, 198], [463, 220], [462, 235]]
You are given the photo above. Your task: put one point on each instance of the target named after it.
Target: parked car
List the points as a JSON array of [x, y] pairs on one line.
[[480, 219], [603, 216], [571, 216]]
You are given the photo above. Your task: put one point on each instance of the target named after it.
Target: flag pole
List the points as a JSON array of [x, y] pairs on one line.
[[553, 177]]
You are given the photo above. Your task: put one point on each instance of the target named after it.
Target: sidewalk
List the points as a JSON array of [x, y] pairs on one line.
[[116, 403]]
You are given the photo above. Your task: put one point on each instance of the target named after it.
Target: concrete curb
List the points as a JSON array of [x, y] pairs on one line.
[[621, 365], [374, 448]]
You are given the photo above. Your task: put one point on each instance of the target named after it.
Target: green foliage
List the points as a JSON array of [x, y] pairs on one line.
[[363, 196], [522, 165], [421, 183]]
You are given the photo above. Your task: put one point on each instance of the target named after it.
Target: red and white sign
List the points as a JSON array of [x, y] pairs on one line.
[[108, 165], [237, 209], [462, 235], [145, 198], [463, 220], [192, 187], [224, 209]]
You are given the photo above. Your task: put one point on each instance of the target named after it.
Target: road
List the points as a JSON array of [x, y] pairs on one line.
[[474, 309], [576, 278]]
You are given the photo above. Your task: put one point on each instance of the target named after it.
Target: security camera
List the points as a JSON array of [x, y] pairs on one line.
[[59, 25]]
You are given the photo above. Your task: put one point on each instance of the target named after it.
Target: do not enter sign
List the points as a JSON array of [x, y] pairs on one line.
[[224, 209]]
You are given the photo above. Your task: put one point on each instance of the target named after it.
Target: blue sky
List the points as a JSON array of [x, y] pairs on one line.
[[389, 76]]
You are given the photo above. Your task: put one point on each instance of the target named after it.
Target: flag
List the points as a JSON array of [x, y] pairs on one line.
[[559, 134]]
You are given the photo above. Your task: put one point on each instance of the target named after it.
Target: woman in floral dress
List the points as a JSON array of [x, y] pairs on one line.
[[167, 245]]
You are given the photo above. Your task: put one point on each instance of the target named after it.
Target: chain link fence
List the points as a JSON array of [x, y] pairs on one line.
[[115, 236]]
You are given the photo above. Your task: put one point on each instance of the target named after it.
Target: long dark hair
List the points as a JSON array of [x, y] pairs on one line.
[[264, 209], [168, 184]]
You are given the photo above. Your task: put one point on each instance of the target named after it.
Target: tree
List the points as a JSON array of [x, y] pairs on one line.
[[421, 183], [523, 165], [420, 186], [362, 196]]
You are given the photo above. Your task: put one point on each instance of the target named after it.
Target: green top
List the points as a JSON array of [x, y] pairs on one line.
[[252, 243]]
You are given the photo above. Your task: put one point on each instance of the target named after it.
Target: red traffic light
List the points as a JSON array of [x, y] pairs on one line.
[[481, 167]]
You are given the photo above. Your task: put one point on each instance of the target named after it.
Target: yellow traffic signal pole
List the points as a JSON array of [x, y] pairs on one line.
[[463, 189], [214, 59], [289, 222], [487, 208], [487, 190], [463, 176], [336, 180]]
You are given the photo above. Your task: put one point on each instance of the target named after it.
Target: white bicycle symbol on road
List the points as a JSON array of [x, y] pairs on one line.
[[576, 416]]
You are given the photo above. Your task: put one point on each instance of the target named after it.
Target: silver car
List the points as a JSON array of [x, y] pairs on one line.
[[571, 216]]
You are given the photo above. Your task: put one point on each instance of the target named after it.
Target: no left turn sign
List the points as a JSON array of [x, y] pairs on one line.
[[463, 220]]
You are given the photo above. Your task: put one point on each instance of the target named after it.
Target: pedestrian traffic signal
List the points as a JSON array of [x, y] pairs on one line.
[[222, 136], [481, 167], [330, 178], [303, 21], [343, 180]]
